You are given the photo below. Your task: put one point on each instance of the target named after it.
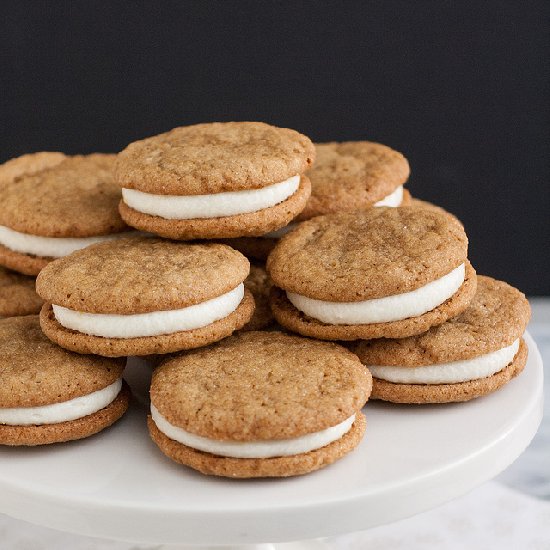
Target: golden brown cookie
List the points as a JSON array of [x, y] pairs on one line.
[[467, 356], [17, 294], [40, 382], [61, 208], [335, 269], [259, 284], [257, 392], [207, 160], [28, 165], [142, 296]]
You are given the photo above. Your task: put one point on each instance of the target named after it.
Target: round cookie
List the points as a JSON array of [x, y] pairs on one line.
[[383, 272], [29, 164], [50, 395], [144, 296], [259, 284], [468, 356], [17, 294], [215, 180], [267, 404], [57, 210]]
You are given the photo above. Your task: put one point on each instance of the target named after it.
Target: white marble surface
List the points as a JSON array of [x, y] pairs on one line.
[[510, 512]]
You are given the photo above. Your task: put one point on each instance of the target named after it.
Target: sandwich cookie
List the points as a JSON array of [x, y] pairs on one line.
[[349, 176], [259, 404], [55, 211], [259, 284], [50, 395], [383, 272], [215, 180], [27, 165], [466, 357], [17, 294], [143, 296]]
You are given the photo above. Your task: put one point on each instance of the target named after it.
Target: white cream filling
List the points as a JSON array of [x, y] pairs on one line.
[[449, 373], [49, 247], [382, 310], [252, 449], [61, 412], [153, 323], [217, 205], [393, 199]]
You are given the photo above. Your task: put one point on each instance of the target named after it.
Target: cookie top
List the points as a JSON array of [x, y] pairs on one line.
[[352, 175], [259, 283], [29, 164], [36, 372], [17, 294], [75, 198], [140, 275], [214, 158], [495, 318], [350, 257], [260, 386]]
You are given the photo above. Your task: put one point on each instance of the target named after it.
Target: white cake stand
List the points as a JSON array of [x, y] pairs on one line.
[[118, 485]]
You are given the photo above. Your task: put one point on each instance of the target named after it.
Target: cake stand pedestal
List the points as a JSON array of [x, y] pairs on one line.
[[118, 485]]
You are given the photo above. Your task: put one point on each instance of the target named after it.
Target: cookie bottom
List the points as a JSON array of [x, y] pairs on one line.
[[22, 263], [145, 345], [449, 393], [285, 466], [70, 430], [293, 319], [241, 225]]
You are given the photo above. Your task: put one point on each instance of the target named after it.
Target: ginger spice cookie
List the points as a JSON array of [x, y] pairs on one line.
[[259, 284], [50, 395], [17, 294], [215, 180], [259, 404], [52, 212], [466, 357], [143, 296], [384, 272], [27, 165]]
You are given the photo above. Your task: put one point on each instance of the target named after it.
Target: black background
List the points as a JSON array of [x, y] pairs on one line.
[[461, 88]]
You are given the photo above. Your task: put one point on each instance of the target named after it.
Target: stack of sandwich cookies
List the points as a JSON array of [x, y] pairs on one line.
[[384, 272], [259, 404], [51, 212], [17, 294], [259, 284], [27, 165], [49, 395], [215, 180], [349, 176], [143, 296], [468, 356]]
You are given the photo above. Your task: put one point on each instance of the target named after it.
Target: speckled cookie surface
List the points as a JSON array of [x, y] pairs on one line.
[[358, 256], [36, 372], [260, 386], [353, 175], [28, 164], [75, 198], [140, 275], [285, 466], [146, 345], [240, 225], [496, 317], [22, 263], [448, 393], [17, 294], [214, 158], [67, 431], [259, 284], [291, 318]]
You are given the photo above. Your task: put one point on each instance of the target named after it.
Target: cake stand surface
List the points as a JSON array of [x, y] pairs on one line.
[[118, 485]]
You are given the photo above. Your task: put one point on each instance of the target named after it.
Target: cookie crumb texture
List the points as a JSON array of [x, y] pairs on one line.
[[214, 158], [27, 165], [449, 393], [17, 294], [380, 252], [259, 284]]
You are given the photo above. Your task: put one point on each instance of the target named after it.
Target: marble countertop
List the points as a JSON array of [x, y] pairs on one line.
[[512, 511]]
